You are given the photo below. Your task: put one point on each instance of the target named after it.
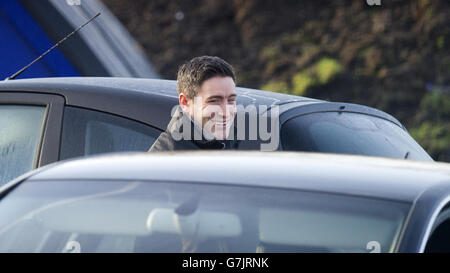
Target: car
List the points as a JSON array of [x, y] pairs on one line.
[[228, 201], [45, 120]]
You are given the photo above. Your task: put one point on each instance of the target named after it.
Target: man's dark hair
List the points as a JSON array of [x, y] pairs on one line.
[[192, 74]]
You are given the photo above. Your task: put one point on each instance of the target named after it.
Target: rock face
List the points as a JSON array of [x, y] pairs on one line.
[[395, 57]]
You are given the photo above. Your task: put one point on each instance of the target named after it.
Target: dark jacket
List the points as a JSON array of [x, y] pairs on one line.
[[172, 139]]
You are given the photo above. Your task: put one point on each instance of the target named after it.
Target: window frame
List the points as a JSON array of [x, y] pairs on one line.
[[100, 111], [442, 218], [50, 137]]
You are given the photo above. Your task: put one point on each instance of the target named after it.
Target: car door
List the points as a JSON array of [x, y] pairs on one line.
[[30, 125], [91, 131]]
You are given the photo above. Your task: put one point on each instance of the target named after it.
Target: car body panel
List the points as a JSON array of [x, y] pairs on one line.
[[356, 175], [426, 208]]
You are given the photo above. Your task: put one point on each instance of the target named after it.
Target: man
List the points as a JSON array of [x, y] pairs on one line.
[[207, 108]]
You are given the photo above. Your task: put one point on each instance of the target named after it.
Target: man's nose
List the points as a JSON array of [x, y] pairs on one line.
[[227, 109]]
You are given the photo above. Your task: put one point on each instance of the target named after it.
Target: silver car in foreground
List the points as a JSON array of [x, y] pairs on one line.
[[228, 202]]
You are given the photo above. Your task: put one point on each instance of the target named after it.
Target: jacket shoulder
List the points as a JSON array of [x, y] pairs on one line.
[[165, 142]]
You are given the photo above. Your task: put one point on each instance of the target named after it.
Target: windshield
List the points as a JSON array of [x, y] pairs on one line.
[[143, 216], [349, 133]]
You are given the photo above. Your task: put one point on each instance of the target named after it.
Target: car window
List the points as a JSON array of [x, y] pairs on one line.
[[349, 133], [88, 132], [21, 128], [147, 216]]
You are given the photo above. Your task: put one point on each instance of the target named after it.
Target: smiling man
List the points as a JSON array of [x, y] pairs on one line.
[[205, 115]]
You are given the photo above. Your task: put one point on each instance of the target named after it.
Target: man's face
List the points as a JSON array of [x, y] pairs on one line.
[[215, 106]]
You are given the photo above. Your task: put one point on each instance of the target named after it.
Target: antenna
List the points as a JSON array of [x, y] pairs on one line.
[[49, 50]]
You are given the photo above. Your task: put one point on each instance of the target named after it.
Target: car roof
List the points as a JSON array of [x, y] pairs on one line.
[[393, 179], [132, 97], [68, 85]]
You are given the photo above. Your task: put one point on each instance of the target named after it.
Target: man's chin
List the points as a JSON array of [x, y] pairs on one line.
[[218, 131], [221, 134]]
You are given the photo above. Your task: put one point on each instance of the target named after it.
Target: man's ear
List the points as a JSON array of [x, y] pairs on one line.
[[184, 103]]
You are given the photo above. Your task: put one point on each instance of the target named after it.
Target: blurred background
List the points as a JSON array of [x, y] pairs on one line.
[[394, 56]]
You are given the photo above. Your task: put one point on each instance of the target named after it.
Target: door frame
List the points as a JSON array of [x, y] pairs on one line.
[[49, 142]]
